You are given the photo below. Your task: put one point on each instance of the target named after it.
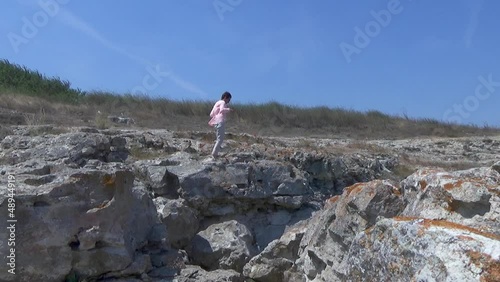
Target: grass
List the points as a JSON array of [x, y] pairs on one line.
[[45, 99], [5, 131], [45, 130], [101, 122], [20, 79]]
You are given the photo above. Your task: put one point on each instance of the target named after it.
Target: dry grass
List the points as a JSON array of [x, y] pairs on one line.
[[101, 121], [38, 111], [5, 131], [270, 119], [44, 99], [46, 129]]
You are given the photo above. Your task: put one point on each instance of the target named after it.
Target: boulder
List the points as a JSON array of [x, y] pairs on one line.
[[89, 222], [404, 249], [227, 245], [162, 182], [324, 247], [469, 197], [273, 263], [180, 220], [242, 185]]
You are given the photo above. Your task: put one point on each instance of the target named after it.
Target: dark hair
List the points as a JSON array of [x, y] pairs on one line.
[[225, 95]]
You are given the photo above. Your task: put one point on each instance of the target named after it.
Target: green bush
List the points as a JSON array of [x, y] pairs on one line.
[[19, 79]]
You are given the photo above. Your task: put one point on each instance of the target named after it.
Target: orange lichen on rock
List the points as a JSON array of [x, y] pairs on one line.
[[472, 180], [465, 238], [490, 267], [495, 191], [396, 191], [108, 180], [423, 184], [405, 218], [356, 188], [426, 223], [369, 230], [449, 186], [333, 199]]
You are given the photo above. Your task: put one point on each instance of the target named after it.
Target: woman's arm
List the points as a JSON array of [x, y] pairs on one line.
[[223, 108]]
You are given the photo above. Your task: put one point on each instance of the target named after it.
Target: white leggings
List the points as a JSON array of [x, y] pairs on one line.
[[220, 130]]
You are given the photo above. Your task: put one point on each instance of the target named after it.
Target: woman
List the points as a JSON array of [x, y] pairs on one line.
[[218, 119]]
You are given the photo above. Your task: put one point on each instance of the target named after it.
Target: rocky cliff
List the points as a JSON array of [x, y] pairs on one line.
[[82, 204]]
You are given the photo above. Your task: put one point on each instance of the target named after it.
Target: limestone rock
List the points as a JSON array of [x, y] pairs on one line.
[[403, 249], [180, 220], [277, 258], [226, 245], [194, 273], [331, 231], [468, 197], [103, 209]]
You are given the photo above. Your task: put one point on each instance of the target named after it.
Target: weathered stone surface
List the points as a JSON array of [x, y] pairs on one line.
[[330, 174], [169, 257], [240, 185], [404, 249], [496, 166], [140, 265], [196, 274], [478, 150], [152, 141], [162, 182], [74, 148], [456, 208], [226, 245], [102, 208], [92, 205], [277, 258], [469, 197], [331, 231], [180, 220]]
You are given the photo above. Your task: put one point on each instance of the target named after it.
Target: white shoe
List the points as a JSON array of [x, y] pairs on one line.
[[208, 159]]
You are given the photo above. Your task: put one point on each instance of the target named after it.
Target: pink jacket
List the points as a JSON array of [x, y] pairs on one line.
[[218, 113]]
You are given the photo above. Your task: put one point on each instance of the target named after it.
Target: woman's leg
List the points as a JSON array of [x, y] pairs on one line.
[[220, 130]]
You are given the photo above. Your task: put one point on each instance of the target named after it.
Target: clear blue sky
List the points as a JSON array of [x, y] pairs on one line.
[[425, 61]]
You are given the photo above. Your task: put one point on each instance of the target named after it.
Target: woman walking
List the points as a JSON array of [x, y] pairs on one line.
[[218, 120]]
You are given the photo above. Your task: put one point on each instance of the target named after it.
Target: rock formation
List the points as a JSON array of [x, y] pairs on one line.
[[146, 205]]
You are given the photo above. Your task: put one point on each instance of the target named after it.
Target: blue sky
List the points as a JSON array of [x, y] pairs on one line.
[[423, 59]]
